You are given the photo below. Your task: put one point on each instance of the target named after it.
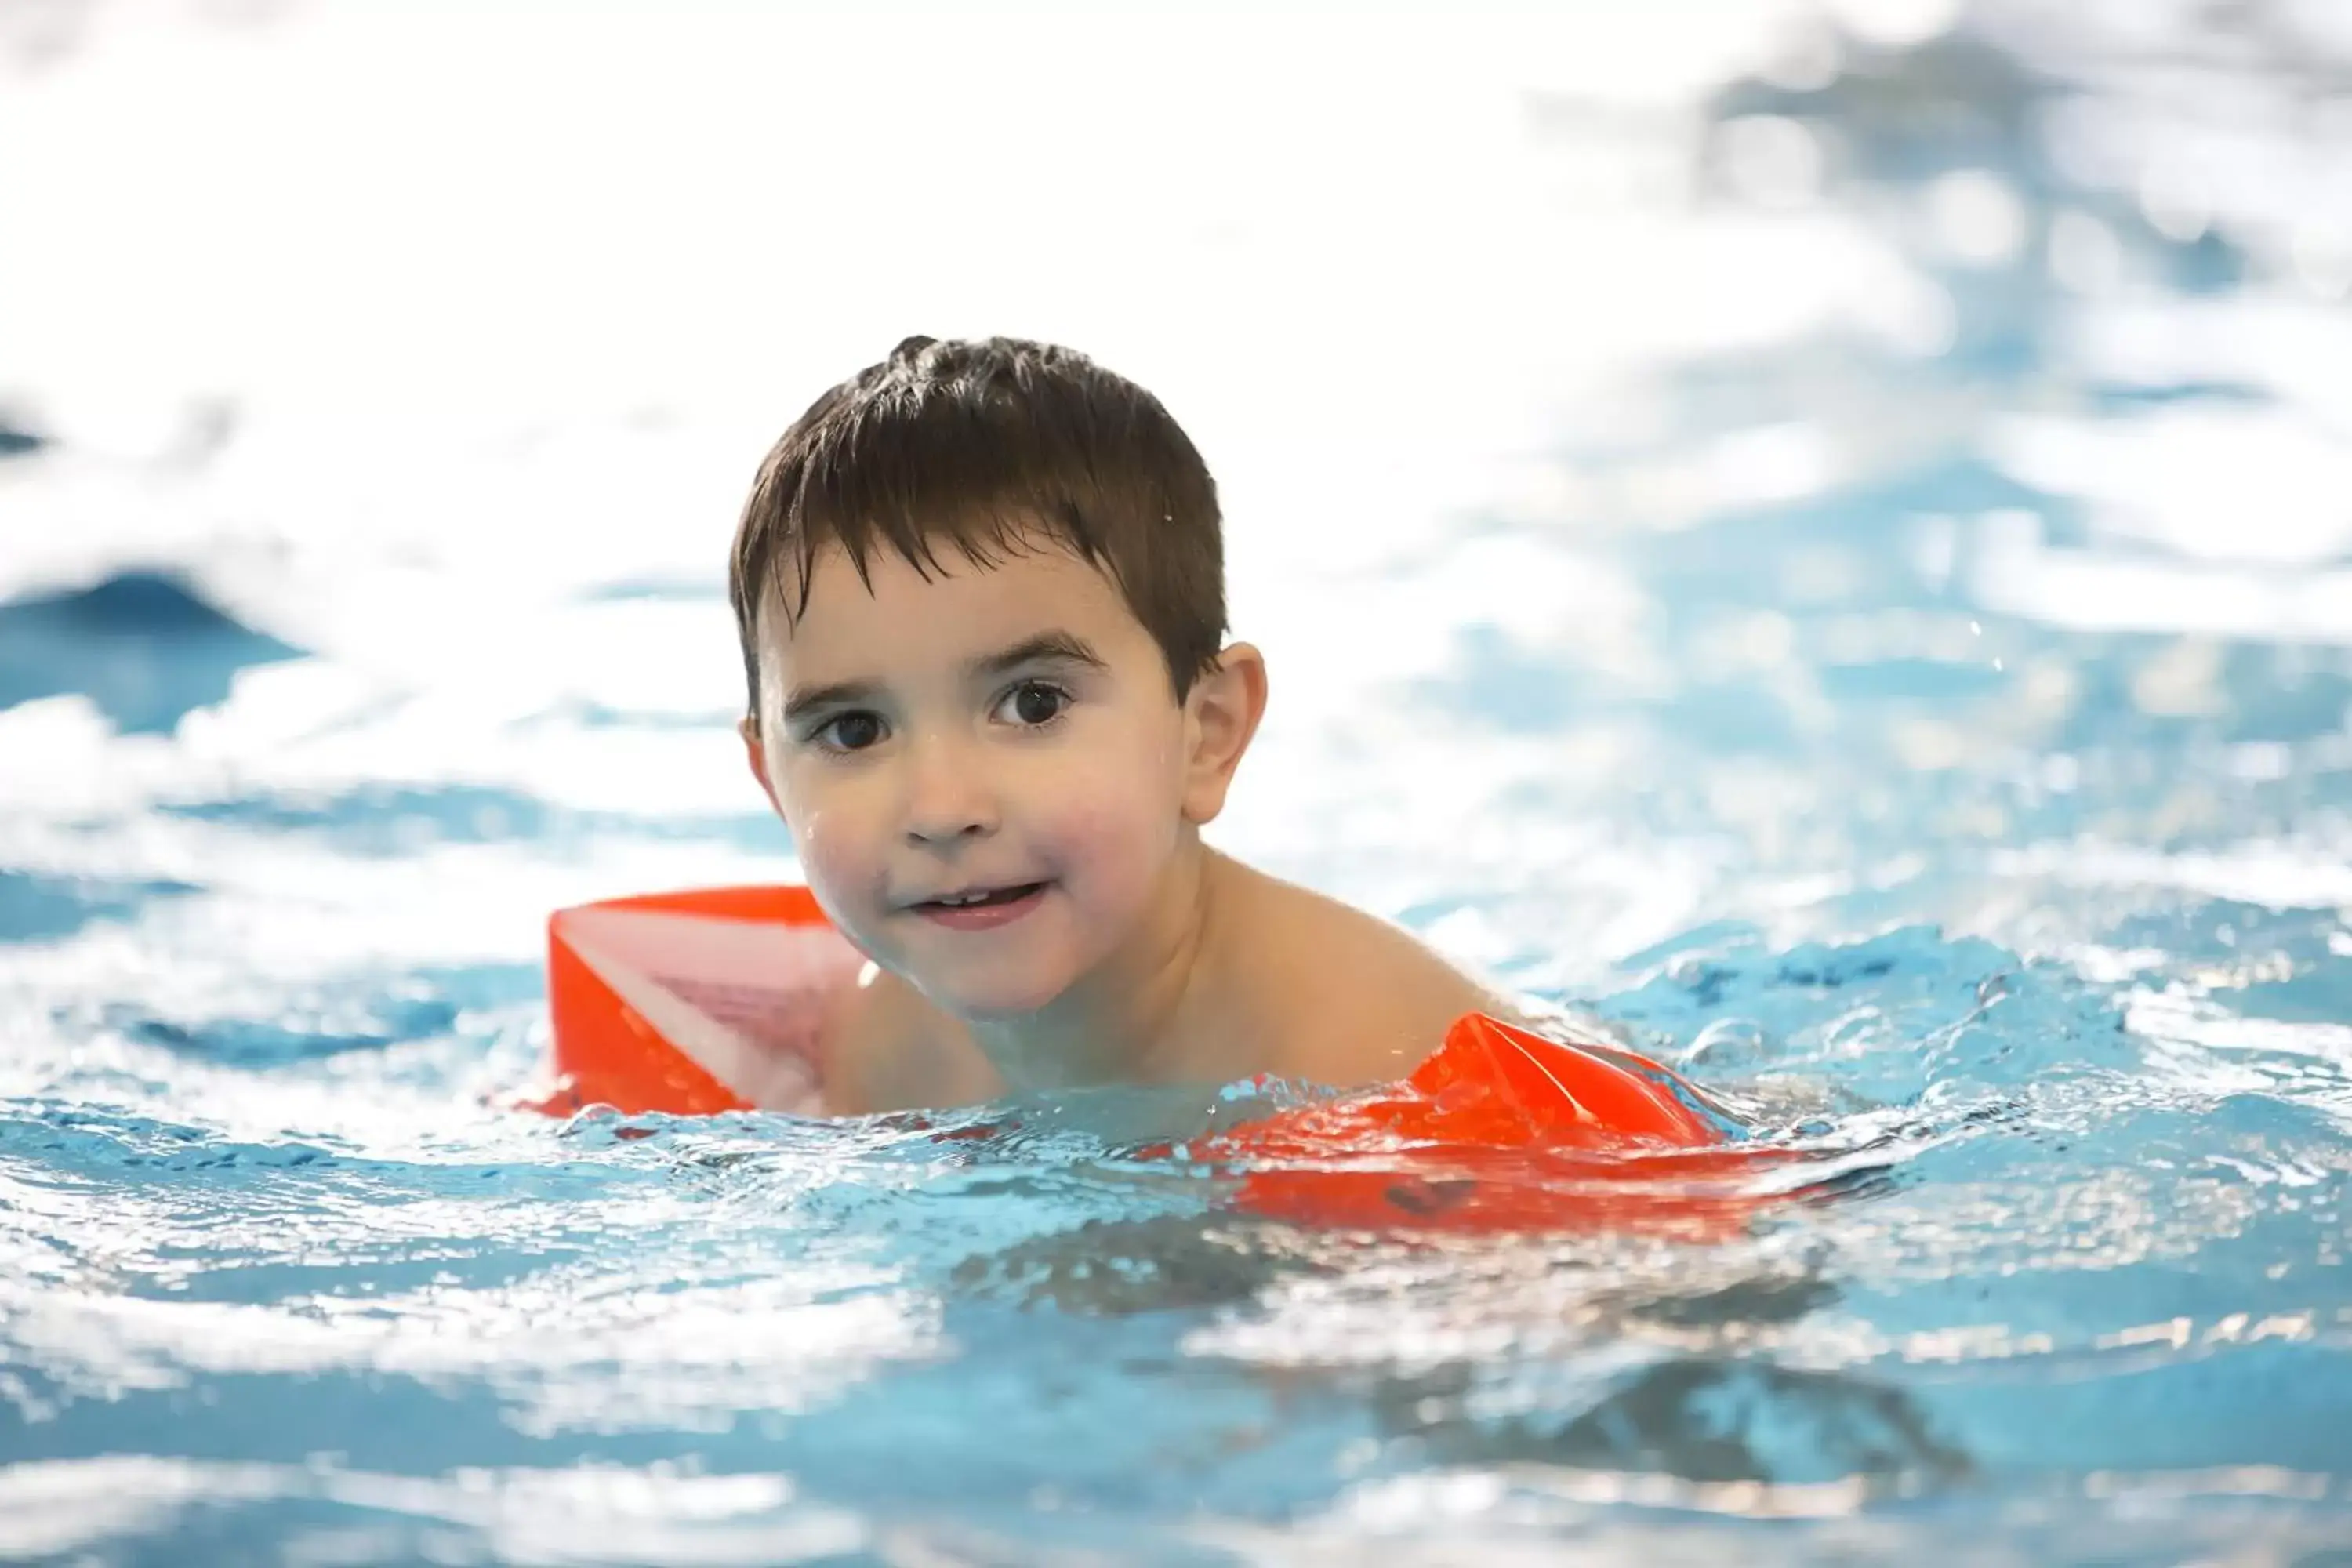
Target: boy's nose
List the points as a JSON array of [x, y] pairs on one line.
[[946, 798]]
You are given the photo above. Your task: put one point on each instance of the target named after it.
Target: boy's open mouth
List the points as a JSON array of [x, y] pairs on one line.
[[982, 905]]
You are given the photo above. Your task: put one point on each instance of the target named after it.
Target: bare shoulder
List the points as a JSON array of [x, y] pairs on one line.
[[1355, 998], [885, 1048]]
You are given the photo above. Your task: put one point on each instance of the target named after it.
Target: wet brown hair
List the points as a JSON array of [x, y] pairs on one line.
[[993, 448]]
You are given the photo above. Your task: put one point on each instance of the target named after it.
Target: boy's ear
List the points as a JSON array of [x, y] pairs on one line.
[[1220, 714], [757, 755]]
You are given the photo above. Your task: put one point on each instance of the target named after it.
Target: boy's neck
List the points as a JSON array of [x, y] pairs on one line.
[[1140, 1016]]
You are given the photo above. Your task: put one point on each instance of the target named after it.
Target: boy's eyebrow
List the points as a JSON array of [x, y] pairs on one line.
[[1067, 647], [801, 700]]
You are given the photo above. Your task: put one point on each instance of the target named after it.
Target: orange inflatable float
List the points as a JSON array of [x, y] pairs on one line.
[[692, 1002], [712, 1000], [1502, 1128]]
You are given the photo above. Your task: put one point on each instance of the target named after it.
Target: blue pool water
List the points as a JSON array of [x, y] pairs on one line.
[[1904, 679]]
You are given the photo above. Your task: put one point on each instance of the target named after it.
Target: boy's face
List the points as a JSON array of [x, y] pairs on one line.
[[1002, 733]]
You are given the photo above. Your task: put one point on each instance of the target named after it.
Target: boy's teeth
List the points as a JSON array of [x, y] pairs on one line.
[[991, 895]]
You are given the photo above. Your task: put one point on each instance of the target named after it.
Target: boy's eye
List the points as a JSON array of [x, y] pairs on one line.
[[1034, 704], [849, 732]]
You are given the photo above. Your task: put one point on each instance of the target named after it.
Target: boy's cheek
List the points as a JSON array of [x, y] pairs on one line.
[[816, 817], [1109, 843], [830, 859]]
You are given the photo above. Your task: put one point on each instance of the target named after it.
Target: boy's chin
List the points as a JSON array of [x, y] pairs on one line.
[[994, 998], [995, 1004]]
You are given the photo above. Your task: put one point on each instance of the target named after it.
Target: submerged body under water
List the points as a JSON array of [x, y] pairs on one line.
[[1886, 731]]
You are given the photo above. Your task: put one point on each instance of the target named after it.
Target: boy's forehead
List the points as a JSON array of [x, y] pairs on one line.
[[903, 609]]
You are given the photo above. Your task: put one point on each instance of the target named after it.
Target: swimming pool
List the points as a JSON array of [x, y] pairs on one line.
[[1912, 697]]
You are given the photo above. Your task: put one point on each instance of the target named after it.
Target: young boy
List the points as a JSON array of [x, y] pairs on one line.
[[980, 594]]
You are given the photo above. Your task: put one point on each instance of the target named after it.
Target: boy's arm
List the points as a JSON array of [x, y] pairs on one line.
[[884, 1047], [848, 1042]]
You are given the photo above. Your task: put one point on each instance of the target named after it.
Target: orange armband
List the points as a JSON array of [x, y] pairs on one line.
[[1500, 1129], [692, 1002]]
